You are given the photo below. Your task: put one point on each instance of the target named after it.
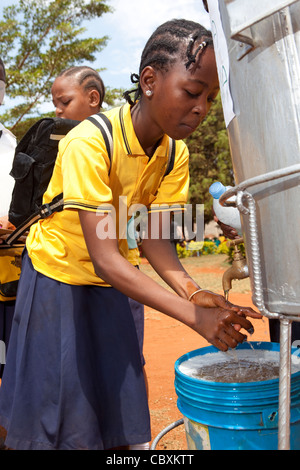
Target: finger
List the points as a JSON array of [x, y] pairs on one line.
[[220, 301], [220, 345], [228, 340], [250, 312], [236, 327], [231, 337], [246, 311], [242, 321]]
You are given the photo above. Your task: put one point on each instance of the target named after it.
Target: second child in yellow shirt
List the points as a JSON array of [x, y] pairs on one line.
[[77, 93]]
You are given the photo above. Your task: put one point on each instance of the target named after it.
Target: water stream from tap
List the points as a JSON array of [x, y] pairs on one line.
[[235, 356]]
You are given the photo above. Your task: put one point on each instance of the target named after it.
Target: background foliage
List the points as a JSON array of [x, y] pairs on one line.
[[40, 38]]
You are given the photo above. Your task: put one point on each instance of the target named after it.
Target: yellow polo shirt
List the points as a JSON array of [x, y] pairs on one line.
[[89, 181]]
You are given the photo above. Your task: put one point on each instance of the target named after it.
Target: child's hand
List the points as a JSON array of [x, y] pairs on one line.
[[221, 327], [208, 299], [220, 321], [228, 232]]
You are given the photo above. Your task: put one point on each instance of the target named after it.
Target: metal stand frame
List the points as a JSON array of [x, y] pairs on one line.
[[285, 320]]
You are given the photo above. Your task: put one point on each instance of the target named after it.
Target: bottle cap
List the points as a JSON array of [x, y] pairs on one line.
[[217, 189]]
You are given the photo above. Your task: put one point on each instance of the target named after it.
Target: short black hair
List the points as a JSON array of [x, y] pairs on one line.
[[171, 40], [86, 76]]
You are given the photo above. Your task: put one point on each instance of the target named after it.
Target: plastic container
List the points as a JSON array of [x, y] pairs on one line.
[[229, 215], [235, 416]]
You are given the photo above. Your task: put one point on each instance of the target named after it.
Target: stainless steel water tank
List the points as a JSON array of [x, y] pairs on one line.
[[263, 42]]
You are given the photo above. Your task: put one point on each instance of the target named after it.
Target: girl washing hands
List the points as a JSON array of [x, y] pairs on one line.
[[73, 378]]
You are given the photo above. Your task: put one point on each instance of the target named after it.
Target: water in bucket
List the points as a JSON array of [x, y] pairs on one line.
[[230, 400], [237, 366]]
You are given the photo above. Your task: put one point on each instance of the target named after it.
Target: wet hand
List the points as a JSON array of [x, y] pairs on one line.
[[208, 299], [223, 320], [221, 327]]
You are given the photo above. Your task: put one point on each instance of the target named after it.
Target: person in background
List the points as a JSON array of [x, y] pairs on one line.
[[77, 93], [75, 354], [7, 151], [8, 144]]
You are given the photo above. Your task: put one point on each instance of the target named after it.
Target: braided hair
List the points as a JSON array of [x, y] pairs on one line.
[[86, 77], [172, 40]]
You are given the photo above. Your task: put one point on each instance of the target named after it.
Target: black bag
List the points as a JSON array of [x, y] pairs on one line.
[[33, 166]]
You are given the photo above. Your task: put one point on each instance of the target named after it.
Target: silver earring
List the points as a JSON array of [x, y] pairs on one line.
[[148, 92]]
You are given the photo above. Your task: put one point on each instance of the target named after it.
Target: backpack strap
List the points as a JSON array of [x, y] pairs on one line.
[[57, 204], [103, 123], [171, 156]]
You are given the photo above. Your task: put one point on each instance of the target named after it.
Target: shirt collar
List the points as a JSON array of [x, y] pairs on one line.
[[131, 142]]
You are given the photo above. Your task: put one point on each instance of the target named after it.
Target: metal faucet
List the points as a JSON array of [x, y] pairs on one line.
[[238, 270]]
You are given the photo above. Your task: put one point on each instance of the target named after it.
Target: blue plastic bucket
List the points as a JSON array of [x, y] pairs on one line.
[[235, 416]]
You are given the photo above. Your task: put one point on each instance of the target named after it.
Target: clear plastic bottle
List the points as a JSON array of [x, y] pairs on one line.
[[229, 215]]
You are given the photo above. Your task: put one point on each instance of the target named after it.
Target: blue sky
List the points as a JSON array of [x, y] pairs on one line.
[[129, 27]]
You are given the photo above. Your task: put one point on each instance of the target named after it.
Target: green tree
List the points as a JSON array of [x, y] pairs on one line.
[[210, 158], [40, 38]]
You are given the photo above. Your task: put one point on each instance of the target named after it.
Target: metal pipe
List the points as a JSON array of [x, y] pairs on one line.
[[272, 175], [255, 257], [268, 144], [285, 331], [254, 245], [284, 385]]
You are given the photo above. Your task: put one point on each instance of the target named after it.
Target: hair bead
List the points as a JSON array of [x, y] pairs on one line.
[[192, 57]]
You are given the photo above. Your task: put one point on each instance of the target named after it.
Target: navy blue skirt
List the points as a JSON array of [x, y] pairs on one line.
[[138, 313], [73, 377]]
